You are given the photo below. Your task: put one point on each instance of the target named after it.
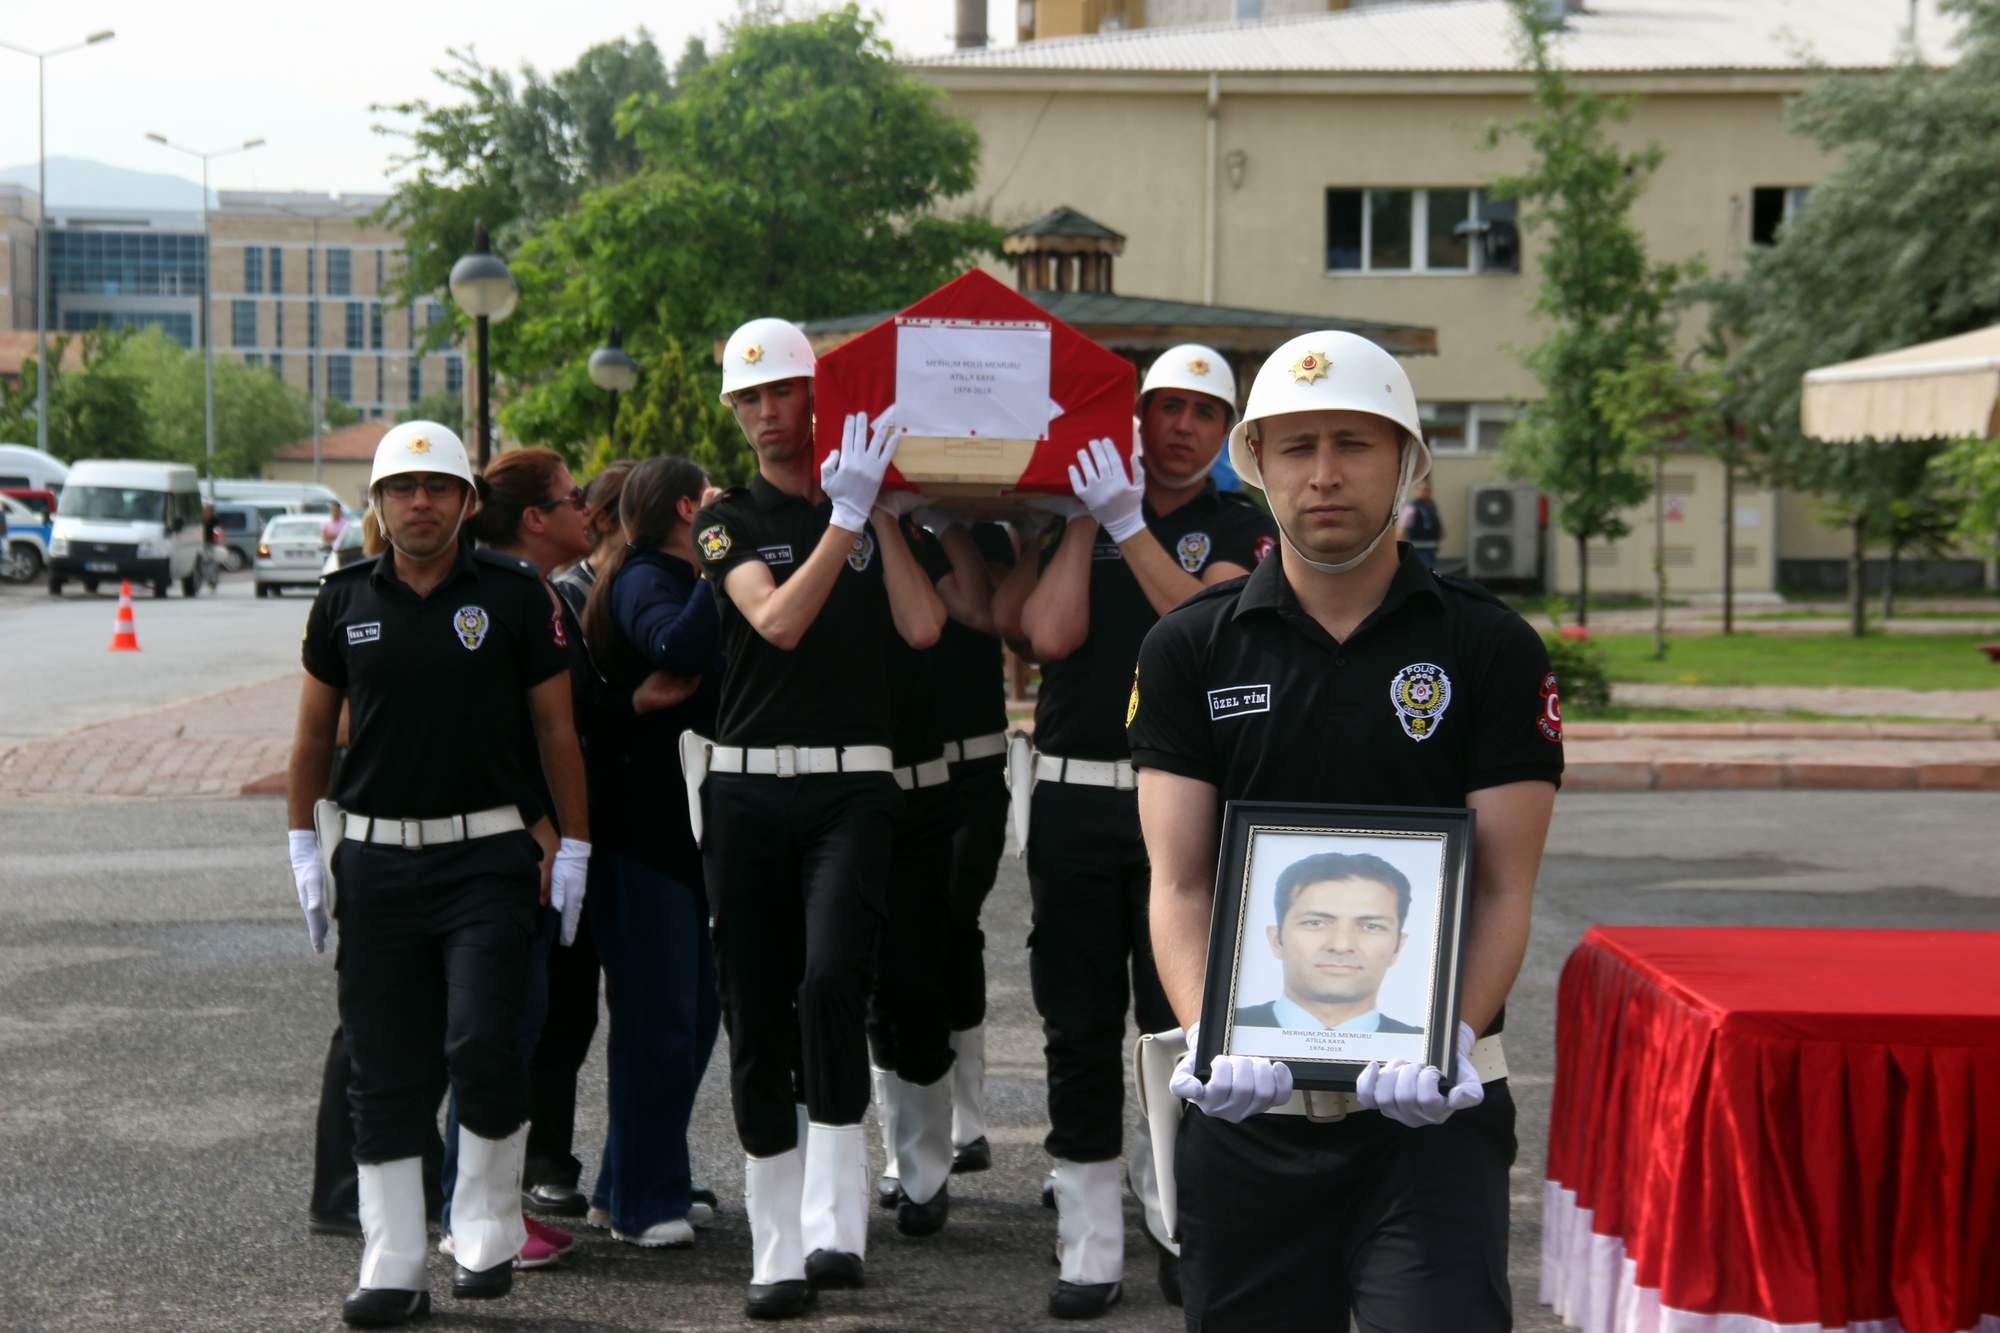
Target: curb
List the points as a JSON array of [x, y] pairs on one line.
[[1741, 775]]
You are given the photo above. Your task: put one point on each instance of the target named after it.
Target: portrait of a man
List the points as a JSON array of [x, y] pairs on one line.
[[1339, 928]]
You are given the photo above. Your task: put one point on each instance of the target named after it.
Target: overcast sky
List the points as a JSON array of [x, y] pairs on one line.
[[209, 73]]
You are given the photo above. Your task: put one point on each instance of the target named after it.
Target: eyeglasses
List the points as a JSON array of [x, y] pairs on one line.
[[436, 486], [574, 500]]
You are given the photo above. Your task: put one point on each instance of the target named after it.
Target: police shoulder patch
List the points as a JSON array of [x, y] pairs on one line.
[[1420, 693], [714, 542], [1132, 704]]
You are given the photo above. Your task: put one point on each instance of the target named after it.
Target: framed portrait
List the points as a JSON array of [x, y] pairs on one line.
[[1337, 938]]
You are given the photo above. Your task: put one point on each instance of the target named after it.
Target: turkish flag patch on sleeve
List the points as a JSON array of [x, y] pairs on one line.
[[562, 635], [1550, 723]]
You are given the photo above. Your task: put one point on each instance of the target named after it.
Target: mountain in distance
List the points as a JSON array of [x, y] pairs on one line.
[[79, 182]]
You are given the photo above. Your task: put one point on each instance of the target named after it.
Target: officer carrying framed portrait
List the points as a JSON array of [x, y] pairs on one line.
[[1337, 938]]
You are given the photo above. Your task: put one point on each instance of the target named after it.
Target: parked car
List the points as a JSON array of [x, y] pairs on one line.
[[42, 501], [26, 537], [126, 519], [290, 554], [241, 524], [345, 551]]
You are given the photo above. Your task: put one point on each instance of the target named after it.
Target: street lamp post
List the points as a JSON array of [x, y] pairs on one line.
[[485, 290], [41, 59], [614, 372], [207, 268]]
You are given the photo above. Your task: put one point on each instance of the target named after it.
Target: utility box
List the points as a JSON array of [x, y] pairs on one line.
[[1503, 532]]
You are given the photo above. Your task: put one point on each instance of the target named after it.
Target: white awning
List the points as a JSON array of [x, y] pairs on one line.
[[1946, 389]]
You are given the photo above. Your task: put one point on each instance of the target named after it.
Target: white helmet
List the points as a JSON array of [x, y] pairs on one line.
[[762, 352], [1195, 368], [1320, 372], [420, 446]]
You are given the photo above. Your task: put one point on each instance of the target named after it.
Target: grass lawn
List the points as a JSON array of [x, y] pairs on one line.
[[1912, 612], [1893, 661], [1635, 713]]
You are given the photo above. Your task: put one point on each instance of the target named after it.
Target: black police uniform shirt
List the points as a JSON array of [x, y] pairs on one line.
[[970, 689], [433, 684], [834, 687], [1082, 702], [584, 686], [1442, 690]]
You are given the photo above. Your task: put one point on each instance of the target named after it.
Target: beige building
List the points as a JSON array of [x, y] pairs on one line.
[[1040, 20], [1335, 163], [19, 208], [346, 457]]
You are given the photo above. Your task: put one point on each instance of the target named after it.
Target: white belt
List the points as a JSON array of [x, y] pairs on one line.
[[791, 761], [1489, 1061], [975, 747], [930, 773], [1115, 773], [415, 834]]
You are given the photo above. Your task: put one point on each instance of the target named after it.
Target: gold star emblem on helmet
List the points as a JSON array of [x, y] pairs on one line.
[[753, 354], [1197, 367], [1311, 366], [420, 445]]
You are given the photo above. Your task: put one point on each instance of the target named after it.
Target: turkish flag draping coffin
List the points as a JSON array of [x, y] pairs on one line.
[[994, 396]]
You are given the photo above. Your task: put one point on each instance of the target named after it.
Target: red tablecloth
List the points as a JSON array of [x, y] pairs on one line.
[[1776, 1131]]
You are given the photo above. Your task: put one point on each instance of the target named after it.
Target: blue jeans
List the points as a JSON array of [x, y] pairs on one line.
[[664, 1009], [534, 1008]]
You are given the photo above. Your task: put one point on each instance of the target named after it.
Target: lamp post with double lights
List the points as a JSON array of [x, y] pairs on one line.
[[612, 370], [207, 269], [41, 59], [485, 290]]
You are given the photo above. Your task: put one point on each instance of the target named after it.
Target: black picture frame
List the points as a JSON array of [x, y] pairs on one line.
[[1448, 831]]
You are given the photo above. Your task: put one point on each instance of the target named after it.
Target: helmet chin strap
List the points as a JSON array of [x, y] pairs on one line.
[[1403, 481]]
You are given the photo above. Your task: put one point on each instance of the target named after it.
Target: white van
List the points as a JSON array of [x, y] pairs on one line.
[[127, 520], [26, 469]]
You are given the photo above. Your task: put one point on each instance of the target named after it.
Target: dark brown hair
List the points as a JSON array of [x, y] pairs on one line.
[[606, 490], [649, 508], [512, 484]]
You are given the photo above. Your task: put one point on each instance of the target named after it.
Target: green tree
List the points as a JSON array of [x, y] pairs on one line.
[[1894, 247], [96, 410], [255, 412], [1604, 299], [441, 406]]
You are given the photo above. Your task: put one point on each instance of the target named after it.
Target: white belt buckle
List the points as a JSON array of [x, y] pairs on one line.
[[403, 827], [952, 753], [785, 761]]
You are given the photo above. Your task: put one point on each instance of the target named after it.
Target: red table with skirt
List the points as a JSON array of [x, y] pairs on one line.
[[1770, 1130]]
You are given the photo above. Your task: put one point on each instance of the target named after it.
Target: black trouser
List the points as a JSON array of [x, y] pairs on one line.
[[1289, 1225], [909, 1023], [567, 1031], [433, 972], [335, 1185], [797, 869], [976, 844], [1088, 878]]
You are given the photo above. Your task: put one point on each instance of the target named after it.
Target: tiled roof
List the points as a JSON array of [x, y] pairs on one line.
[[1067, 221], [349, 444], [1478, 36]]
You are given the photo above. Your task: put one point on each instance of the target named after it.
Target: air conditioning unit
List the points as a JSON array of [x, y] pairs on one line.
[[1502, 527]]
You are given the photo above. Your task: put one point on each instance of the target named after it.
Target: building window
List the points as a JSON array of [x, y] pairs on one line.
[[176, 326], [312, 324], [312, 266], [1247, 11], [340, 378], [243, 323], [1459, 230], [253, 360], [354, 318], [410, 325], [277, 323], [277, 270], [454, 375], [1464, 428], [381, 271], [94, 263], [379, 395], [253, 268], [416, 379], [312, 377], [1771, 207], [277, 364], [375, 326], [339, 271], [433, 313]]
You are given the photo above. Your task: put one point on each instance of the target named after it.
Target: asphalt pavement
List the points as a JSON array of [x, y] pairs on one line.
[[162, 1024]]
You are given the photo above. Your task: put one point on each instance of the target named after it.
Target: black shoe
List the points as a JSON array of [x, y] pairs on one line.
[[922, 1219], [974, 1156], [702, 1206], [1078, 1300], [1170, 1275], [384, 1307], [490, 1285], [778, 1300], [334, 1224], [888, 1189], [828, 1270], [1048, 1191], [555, 1201]]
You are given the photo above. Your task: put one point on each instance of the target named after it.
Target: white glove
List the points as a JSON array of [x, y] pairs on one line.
[[304, 846], [852, 475], [566, 882], [1408, 1093], [1112, 498], [1238, 1087]]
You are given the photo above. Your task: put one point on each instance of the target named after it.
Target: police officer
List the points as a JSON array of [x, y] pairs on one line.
[[433, 646], [799, 804], [1148, 542], [1375, 681]]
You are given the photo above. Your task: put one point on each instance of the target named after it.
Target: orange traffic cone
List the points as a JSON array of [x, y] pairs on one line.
[[124, 636]]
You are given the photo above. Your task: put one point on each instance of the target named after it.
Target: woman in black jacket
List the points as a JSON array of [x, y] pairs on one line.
[[650, 611]]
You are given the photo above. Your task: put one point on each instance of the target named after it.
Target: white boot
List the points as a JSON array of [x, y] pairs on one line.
[[392, 1225], [486, 1227], [923, 1136], [1144, 1175], [1090, 1222], [968, 1086], [834, 1206], [886, 1111], [771, 1191]]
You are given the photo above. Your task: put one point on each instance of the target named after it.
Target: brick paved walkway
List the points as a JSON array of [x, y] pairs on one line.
[[207, 746]]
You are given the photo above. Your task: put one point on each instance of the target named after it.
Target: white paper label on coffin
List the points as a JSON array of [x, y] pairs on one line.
[[970, 380]]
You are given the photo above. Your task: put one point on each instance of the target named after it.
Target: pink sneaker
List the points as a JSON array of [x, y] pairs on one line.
[[540, 1251], [558, 1240]]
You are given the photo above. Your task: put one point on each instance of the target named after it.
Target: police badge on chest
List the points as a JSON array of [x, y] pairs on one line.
[[1420, 693], [471, 624]]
